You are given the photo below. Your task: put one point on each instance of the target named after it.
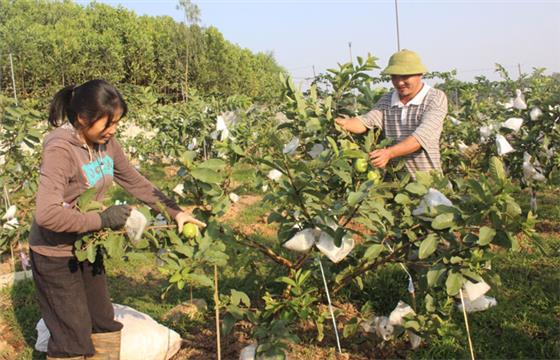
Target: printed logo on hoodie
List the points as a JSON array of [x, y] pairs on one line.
[[98, 168]]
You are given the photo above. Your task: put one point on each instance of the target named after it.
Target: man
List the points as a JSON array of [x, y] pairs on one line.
[[412, 115]]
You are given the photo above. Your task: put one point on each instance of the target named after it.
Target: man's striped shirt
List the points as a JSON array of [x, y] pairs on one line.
[[423, 119]]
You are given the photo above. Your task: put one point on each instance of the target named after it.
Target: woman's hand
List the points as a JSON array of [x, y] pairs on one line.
[[184, 217]]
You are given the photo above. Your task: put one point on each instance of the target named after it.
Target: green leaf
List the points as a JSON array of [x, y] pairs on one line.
[[428, 246], [434, 275], [198, 279], [173, 237], [91, 251], [350, 328], [185, 250], [238, 297], [443, 221], [114, 246], [429, 301], [286, 280], [208, 176], [416, 188], [212, 164], [354, 154], [237, 149], [412, 324], [373, 252], [355, 197], [228, 322], [486, 235], [334, 147], [86, 198], [453, 283], [497, 169], [402, 199]]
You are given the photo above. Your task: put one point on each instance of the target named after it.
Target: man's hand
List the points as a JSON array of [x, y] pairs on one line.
[[380, 157], [115, 216], [184, 217], [353, 125]]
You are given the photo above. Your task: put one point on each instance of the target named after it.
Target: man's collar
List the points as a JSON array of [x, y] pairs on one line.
[[417, 100]]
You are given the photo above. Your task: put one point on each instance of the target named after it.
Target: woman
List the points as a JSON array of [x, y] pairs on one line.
[[79, 154]]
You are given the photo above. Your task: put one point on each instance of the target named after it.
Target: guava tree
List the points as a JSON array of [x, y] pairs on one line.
[[325, 202]]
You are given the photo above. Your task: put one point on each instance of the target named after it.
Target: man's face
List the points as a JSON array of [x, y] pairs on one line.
[[407, 85]]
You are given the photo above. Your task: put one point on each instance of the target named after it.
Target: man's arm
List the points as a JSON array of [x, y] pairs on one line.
[[379, 158], [353, 125]]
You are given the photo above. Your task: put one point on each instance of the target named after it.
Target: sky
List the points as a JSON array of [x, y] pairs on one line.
[[469, 36]]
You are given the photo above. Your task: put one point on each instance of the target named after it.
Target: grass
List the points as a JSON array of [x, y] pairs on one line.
[[524, 325]]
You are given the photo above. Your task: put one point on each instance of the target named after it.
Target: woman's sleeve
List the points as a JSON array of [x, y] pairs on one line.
[[56, 168], [137, 185]]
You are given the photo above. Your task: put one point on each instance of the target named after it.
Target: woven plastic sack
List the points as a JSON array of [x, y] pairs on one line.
[[142, 338]]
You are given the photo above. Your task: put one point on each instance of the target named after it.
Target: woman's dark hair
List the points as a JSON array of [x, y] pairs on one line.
[[91, 101]]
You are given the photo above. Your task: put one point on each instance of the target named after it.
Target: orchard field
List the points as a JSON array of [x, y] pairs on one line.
[[291, 213]]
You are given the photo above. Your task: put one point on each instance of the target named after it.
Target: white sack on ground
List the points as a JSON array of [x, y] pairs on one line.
[[379, 325], [415, 340], [248, 352], [396, 318], [503, 145], [335, 254], [301, 241], [234, 197], [513, 124], [480, 304], [142, 338], [135, 225]]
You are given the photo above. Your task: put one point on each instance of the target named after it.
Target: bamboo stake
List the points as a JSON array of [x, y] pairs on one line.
[[13, 78], [217, 308], [467, 325]]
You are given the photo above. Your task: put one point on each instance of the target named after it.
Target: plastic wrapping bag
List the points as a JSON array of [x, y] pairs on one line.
[[335, 254], [428, 204], [135, 225], [302, 241], [519, 101], [480, 304], [473, 291], [503, 145], [513, 124], [535, 113]]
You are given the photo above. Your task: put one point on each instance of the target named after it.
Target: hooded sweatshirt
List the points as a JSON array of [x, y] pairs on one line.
[[68, 168]]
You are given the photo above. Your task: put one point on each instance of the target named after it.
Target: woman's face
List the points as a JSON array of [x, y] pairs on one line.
[[99, 132]]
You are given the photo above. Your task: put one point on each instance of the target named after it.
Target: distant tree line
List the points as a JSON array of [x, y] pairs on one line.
[[56, 43]]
